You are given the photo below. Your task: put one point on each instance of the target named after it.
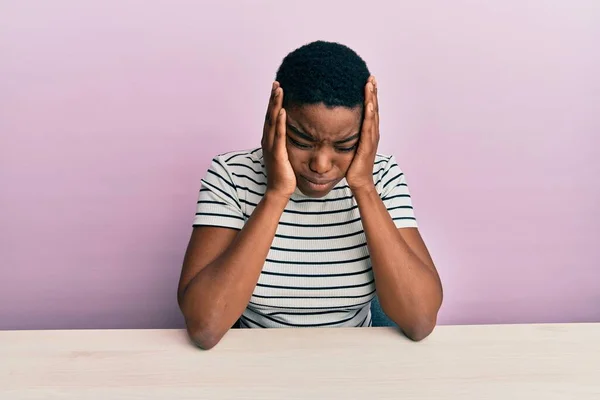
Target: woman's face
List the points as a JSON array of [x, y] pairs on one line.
[[321, 143]]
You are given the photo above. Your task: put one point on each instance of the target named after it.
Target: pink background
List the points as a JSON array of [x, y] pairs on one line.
[[110, 112]]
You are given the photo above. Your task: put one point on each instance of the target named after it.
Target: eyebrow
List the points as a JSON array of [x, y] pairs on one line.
[[309, 138], [348, 139]]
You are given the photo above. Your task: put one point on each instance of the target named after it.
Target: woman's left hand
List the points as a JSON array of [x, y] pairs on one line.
[[360, 173]]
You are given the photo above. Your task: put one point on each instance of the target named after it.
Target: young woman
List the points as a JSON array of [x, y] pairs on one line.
[[305, 230]]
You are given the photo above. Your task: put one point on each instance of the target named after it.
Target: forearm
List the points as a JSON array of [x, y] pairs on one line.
[[409, 290], [217, 296]]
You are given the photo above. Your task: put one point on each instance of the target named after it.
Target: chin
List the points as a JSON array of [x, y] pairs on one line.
[[314, 195]]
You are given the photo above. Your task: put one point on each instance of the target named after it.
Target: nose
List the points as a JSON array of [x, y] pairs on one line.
[[320, 162]]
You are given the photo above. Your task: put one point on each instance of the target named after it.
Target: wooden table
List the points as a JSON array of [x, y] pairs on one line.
[[456, 362]]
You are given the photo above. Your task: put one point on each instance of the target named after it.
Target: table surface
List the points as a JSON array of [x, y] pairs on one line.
[[546, 361]]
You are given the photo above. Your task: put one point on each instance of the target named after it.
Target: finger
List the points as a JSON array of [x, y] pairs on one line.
[[369, 135], [275, 111], [374, 96], [272, 96], [267, 122], [369, 99], [275, 103], [279, 148], [375, 103], [368, 132], [369, 91]]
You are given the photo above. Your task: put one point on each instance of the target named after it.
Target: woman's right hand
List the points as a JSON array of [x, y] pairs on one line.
[[281, 180]]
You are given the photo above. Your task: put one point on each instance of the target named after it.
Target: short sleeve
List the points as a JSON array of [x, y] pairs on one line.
[[218, 202], [393, 190]]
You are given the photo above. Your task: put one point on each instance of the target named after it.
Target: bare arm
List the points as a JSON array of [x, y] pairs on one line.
[[222, 266], [408, 285], [221, 269]]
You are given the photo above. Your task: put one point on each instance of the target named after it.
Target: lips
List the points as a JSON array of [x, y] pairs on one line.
[[317, 187], [318, 182]]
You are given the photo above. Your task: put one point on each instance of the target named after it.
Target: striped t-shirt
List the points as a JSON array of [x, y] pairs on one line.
[[318, 271]]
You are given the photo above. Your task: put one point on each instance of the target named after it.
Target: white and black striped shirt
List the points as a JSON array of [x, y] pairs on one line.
[[318, 271]]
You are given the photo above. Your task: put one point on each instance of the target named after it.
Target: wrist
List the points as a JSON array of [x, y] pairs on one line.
[[276, 200], [365, 191]]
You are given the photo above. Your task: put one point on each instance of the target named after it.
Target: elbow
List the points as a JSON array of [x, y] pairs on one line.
[[419, 332], [203, 328], [205, 337], [420, 329], [415, 327], [204, 331]]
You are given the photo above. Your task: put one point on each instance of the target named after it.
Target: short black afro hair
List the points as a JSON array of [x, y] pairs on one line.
[[323, 72]]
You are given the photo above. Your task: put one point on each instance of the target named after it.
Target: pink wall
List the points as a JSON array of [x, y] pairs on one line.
[[110, 111]]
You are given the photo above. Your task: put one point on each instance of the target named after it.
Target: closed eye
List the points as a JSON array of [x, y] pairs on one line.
[[298, 144], [307, 146], [347, 149]]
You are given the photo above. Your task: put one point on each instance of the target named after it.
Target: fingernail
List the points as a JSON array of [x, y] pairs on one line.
[[371, 107], [371, 86], [277, 92], [274, 86], [281, 112]]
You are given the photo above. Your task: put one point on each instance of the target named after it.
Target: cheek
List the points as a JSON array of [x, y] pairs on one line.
[[345, 161], [295, 156]]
